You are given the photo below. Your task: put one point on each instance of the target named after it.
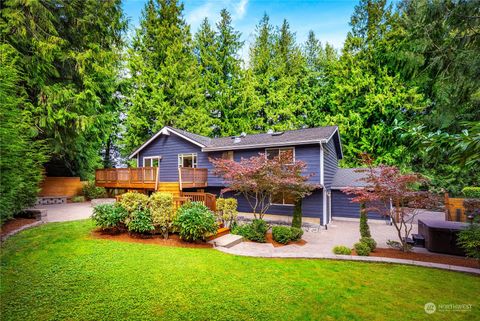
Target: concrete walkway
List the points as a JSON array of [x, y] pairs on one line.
[[67, 212], [320, 243]]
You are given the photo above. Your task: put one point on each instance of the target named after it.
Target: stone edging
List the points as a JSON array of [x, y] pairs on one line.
[[6, 236], [364, 259]]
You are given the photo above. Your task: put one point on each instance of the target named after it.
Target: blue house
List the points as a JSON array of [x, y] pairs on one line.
[[178, 161]]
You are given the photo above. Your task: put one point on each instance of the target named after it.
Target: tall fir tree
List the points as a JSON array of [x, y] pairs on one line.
[[70, 59], [164, 83]]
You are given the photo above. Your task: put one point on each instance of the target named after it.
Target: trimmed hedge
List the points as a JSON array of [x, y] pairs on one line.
[[254, 231], [362, 249], [471, 192], [342, 250], [370, 242]]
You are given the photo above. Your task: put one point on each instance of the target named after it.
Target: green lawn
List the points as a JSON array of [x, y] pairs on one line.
[[57, 271]]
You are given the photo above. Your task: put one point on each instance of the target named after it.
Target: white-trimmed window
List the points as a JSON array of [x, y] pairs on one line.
[[151, 161], [187, 160], [283, 198], [271, 153]]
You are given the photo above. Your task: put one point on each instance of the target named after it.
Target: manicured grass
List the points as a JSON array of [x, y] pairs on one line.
[[57, 271]]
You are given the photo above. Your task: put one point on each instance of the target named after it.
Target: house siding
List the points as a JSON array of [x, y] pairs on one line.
[[312, 205], [310, 154], [168, 147], [343, 207], [330, 163]]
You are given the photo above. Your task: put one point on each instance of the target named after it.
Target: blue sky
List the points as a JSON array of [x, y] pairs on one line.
[[328, 19]]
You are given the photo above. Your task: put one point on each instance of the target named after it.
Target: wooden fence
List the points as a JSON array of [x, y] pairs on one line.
[[61, 186], [454, 210]]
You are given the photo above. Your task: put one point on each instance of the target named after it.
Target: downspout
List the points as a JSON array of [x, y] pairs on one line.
[[322, 182]]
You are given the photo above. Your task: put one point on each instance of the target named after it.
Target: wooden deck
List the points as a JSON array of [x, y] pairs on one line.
[[146, 178]]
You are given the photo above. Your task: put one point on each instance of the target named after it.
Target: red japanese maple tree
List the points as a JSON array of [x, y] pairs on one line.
[[386, 186], [259, 179]]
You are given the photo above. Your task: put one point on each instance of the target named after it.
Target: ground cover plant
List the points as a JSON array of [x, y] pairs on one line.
[[59, 271]]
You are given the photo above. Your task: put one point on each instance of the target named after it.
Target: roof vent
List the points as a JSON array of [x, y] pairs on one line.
[[243, 134], [237, 140], [270, 131], [277, 133]]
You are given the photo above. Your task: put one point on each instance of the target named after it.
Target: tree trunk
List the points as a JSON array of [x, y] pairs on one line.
[[297, 214]]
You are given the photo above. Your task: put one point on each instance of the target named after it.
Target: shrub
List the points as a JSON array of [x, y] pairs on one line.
[[91, 191], [370, 242], [297, 214], [227, 210], [362, 249], [471, 192], [472, 206], [133, 201], [469, 240], [281, 234], [254, 231], [397, 245], [162, 211], [109, 215], [139, 221], [195, 221], [342, 250], [78, 199], [364, 228], [296, 233]]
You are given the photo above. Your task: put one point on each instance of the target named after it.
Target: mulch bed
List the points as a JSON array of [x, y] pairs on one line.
[[173, 239], [424, 257], [14, 224]]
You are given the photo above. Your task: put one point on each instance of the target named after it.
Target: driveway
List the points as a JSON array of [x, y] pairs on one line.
[[67, 212]]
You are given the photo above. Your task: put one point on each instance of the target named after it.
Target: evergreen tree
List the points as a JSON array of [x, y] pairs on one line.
[[70, 59], [21, 155], [164, 85]]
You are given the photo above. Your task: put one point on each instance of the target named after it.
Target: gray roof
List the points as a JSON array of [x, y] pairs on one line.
[[302, 136], [198, 138], [290, 137], [348, 177]]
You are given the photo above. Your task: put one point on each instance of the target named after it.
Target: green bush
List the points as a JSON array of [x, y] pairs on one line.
[[133, 201], [364, 228], [139, 221], [227, 210], [78, 199], [163, 214], [195, 221], [469, 240], [281, 234], [296, 233], [109, 216], [362, 249], [254, 231], [370, 242], [471, 192], [90, 191], [342, 250]]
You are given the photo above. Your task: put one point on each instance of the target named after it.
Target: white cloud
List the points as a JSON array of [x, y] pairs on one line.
[[240, 10], [211, 9]]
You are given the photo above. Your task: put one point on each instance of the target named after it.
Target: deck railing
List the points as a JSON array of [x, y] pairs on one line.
[[127, 176], [209, 200], [192, 177]]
